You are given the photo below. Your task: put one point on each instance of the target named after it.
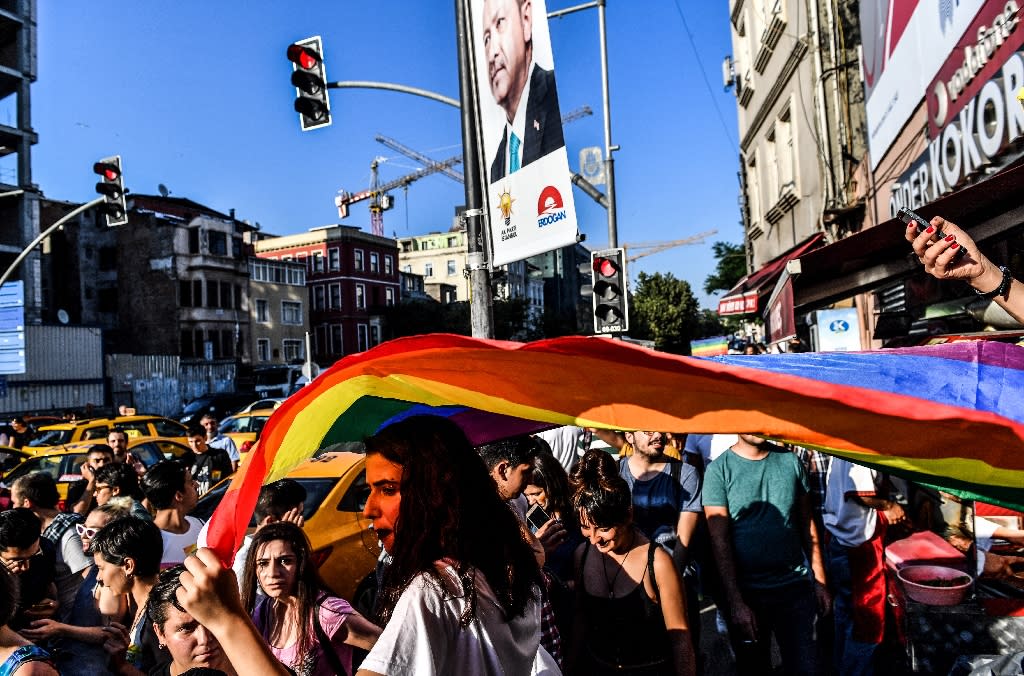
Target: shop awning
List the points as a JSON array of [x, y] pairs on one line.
[[880, 255], [744, 298]]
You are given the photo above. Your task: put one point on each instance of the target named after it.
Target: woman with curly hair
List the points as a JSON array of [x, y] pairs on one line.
[[307, 628], [461, 594], [630, 608]]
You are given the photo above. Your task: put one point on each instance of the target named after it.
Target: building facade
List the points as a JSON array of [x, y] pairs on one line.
[[350, 276], [278, 311], [794, 70], [440, 258]]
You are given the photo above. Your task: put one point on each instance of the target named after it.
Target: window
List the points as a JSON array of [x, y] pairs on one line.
[[374, 262], [320, 345], [108, 258], [335, 297], [318, 297], [772, 167], [238, 297], [784, 136], [185, 293], [389, 296], [227, 343], [358, 255], [336, 344], [218, 243], [361, 337], [389, 265], [334, 259], [197, 293], [236, 247], [407, 268], [291, 312], [226, 295], [193, 240], [451, 268], [374, 335], [753, 190], [263, 349], [263, 312], [292, 350], [360, 296], [107, 300], [453, 242], [297, 276], [428, 270], [212, 293], [187, 349], [318, 261]]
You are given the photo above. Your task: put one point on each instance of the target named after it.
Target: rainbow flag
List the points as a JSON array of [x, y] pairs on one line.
[[710, 347], [950, 415]]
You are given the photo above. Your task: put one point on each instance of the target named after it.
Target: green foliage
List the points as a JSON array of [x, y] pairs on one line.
[[664, 310], [732, 265]]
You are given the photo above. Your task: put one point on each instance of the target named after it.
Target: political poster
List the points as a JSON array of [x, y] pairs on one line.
[[527, 178]]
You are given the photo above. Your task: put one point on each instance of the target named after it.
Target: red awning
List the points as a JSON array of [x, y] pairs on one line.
[[744, 298]]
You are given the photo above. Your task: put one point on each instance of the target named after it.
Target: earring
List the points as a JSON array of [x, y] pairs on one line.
[[162, 646], [129, 576]]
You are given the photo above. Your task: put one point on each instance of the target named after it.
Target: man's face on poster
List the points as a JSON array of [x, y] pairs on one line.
[[507, 38]]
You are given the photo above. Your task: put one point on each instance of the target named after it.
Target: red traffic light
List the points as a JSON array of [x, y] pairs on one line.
[[303, 57], [605, 267], [107, 170]]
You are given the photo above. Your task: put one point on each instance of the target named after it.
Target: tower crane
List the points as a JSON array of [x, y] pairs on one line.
[[380, 201], [642, 249]]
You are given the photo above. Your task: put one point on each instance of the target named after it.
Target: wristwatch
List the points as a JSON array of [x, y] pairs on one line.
[[1002, 289]]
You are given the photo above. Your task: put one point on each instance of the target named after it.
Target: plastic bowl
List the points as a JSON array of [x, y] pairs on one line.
[[935, 585]]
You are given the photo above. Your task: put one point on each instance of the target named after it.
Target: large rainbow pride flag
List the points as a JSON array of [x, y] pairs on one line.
[[948, 415]]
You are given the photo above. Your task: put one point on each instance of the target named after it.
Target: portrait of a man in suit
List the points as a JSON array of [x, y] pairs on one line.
[[524, 90]]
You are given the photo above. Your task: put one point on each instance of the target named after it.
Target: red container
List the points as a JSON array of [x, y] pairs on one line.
[[924, 548]]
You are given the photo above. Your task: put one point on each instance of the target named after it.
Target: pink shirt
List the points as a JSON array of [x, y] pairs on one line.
[[333, 611]]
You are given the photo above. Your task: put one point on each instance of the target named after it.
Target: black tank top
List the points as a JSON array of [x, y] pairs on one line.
[[627, 634]]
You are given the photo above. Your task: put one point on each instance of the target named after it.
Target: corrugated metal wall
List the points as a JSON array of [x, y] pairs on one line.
[[161, 384], [64, 369]]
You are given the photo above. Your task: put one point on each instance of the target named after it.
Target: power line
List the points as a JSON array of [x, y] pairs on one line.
[[703, 74]]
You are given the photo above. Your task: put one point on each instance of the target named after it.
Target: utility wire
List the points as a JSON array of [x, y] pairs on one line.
[[700, 64]]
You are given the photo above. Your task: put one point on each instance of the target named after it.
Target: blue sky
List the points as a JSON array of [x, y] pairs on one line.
[[196, 95]]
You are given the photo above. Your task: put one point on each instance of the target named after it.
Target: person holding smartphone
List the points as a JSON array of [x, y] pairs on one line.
[[942, 259]]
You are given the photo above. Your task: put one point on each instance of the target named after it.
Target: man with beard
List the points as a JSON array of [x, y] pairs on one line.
[[524, 90]]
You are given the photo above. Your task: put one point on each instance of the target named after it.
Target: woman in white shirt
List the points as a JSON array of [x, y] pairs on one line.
[[461, 594]]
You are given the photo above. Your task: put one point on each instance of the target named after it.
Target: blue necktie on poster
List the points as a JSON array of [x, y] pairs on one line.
[[513, 145]]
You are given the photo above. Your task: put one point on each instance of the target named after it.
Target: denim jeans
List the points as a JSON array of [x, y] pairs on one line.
[[790, 614]]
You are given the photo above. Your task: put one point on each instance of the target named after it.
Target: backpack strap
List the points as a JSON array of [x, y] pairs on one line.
[[325, 643], [60, 525]]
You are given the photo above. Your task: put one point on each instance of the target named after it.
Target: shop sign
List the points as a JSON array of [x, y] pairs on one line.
[[738, 304]]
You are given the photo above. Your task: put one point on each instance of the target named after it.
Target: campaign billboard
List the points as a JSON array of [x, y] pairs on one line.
[[905, 43], [529, 187]]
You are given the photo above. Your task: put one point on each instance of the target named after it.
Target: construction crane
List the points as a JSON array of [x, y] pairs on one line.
[[648, 248], [380, 201]]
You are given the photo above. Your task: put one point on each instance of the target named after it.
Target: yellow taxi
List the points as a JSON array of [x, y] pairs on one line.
[[344, 547], [96, 429], [64, 463], [244, 428]]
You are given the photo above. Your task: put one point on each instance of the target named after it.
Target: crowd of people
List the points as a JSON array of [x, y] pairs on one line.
[[578, 551]]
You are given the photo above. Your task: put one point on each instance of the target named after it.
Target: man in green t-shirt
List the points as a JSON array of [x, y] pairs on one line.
[[766, 547]]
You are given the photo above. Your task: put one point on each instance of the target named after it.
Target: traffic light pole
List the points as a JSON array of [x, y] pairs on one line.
[[481, 309], [46, 233]]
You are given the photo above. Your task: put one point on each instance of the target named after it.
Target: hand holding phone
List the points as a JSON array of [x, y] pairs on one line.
[[537, 517], [911, 218]]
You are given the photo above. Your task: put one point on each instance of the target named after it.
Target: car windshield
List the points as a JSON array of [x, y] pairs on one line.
[[316, 491], [197, 405], [52, 437], [54, 465]]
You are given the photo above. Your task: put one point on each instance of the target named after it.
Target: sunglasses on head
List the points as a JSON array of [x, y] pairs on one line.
[[86, 532]]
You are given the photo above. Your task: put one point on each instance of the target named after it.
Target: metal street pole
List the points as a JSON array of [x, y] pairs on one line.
[[46, 233], [481, 309], [609, 161]]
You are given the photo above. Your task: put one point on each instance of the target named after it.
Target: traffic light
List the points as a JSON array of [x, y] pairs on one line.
[[310, 79], [611, 311], [111, 186]]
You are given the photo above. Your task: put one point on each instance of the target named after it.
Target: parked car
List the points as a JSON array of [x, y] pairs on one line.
[[245, 428], [260, 404], [344, 547], [64, 463], [218, 404], [98, 428]]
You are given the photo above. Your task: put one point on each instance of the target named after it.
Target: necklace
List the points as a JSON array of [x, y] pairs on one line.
[[604, 569]]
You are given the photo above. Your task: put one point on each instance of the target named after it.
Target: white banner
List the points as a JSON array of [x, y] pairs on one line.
[[529, 187], [905, 43]]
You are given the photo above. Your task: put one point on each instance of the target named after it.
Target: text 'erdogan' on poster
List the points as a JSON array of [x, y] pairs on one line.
[[529, 187]]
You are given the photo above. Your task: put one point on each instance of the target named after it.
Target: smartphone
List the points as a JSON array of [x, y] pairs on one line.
[[536, 518], [909, 217]]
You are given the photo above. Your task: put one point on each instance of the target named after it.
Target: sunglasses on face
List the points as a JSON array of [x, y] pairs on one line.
[[86, 532]]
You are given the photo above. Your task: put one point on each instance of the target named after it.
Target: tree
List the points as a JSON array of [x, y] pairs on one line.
[[732, 265], [664, 310]]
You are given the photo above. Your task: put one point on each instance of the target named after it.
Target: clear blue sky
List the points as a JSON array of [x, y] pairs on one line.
[[196, 95]]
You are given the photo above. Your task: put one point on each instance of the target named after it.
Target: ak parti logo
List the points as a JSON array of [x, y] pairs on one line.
[[549, 206]]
